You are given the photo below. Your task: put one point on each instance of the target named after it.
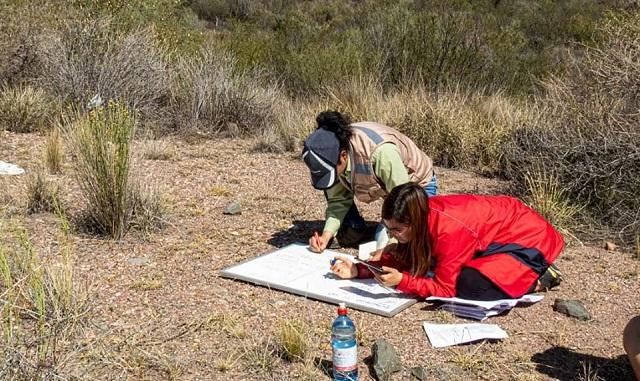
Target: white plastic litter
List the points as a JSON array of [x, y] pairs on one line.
[[10, 169]]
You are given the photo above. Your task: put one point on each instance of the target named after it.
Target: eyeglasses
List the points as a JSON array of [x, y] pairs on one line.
[[397, 229]]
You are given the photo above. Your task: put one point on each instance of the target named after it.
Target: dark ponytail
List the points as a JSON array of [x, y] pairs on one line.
[[338, 124]]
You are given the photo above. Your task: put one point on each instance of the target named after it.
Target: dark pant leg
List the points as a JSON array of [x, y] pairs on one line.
[[473, 285], [353, 219]]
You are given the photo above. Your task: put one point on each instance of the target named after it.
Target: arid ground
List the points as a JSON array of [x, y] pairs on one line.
[[160, 310]]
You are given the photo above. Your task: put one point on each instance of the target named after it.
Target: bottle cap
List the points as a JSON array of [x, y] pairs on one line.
[[342, 309]]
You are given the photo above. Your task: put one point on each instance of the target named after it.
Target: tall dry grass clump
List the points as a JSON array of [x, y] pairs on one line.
[[24, 109], [458, 128], [88, 57], [212, 95], [591, 140], [53, 152], [101, 143]]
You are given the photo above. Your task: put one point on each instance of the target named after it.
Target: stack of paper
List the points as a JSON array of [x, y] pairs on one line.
[[444, 335], [480, 310]]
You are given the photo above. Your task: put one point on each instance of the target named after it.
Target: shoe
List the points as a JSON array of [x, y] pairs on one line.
[[550, 279]]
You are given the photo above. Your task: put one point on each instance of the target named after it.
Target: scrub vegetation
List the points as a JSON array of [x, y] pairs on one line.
[[120, 107]]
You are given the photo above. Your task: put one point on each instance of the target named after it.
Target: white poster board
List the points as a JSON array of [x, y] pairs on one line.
[[297, 270]]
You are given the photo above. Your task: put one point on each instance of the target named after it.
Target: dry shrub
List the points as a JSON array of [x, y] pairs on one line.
[[24, 109], [592, 136], [18, 48], [86, 58], [212, 95]]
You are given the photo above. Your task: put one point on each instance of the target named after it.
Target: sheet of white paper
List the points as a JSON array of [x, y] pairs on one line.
[[444, 335], [529, 298], [365, 249], [297, 270], [10, 169]]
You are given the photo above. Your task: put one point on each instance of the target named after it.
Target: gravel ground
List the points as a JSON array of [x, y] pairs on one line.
[[167, 314]]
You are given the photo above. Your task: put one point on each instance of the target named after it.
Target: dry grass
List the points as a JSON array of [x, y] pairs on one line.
[[551, 201], [24, 109], [43, 307], [155, 149], [54, 153], [42, 194], [294, 339]]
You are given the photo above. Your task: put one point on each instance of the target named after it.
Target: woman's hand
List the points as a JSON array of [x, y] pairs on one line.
[[344, 268], [391, 278], [317, 243]]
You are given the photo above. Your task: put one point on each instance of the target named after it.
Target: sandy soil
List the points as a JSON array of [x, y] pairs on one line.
[[173, 317]]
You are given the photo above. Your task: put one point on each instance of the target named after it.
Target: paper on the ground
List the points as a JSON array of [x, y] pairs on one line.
[[10, 169], [481, 310], [444, 335], [529, 298], [296, 269], [365, 250]]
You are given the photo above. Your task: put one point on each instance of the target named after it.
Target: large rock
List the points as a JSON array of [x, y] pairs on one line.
[[573, 308], [385, 360]]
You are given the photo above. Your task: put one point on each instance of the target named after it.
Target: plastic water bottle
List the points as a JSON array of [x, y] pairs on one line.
[[345, 347]]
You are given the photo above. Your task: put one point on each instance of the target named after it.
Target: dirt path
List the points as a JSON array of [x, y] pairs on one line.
[[174, 317]]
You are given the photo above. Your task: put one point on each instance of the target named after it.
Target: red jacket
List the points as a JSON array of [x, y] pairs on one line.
[[502, 238]]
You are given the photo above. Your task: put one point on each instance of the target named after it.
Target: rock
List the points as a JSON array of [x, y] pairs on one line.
[[385, 360], [138, 261], [233, 208], [573, 308], [610, 246], [420, 373]]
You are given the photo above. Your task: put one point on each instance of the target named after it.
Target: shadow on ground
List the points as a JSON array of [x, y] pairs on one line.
[[565, 364], [299, 232]]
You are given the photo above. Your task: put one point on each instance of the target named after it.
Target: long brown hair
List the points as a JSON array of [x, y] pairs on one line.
[[408, 204]]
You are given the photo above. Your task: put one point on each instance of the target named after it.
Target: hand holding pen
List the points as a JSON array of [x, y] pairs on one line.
[[317, 242]]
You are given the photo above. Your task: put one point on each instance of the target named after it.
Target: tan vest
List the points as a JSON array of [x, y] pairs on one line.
[[366, 137]]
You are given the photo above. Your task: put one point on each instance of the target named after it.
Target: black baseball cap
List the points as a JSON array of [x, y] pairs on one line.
[[321, 153]]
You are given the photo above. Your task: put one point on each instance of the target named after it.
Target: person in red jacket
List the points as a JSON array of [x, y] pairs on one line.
[[472, 247]]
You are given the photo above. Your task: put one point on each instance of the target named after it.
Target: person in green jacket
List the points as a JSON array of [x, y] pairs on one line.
[[362, 161]]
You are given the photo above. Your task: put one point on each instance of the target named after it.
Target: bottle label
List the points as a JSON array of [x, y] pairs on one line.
[[345, 359]]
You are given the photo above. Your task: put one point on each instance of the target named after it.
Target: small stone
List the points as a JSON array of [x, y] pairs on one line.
[[233, 208], [138, 261], [385, 360], [420, 373], [573, 308], [610, 246]]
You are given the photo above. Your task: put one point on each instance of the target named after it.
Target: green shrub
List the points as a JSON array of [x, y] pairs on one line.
[[24, 109], [213, 95], [101, 143], [591, 136]]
